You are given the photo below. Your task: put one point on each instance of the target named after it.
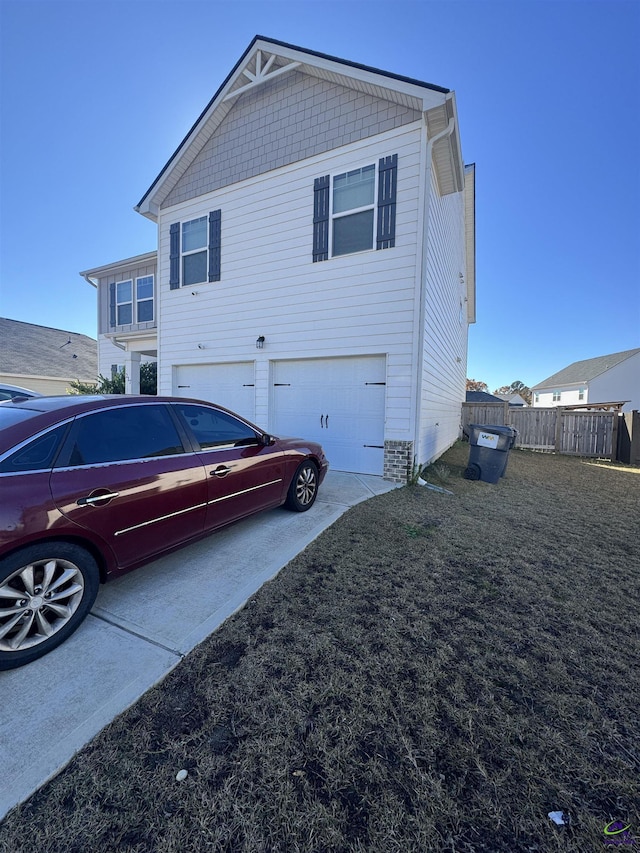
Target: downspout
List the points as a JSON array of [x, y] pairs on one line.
[[419, 335]]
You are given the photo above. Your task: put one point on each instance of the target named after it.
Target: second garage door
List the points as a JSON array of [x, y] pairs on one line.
[[228, 385], [338, 402]]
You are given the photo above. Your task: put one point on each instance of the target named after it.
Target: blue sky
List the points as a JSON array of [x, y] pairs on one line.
[[96, 96]]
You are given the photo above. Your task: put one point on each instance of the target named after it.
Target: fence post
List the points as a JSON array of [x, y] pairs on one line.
[[614, 437], [559, 417]]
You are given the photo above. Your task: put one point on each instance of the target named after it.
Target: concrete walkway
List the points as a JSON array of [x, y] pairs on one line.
[[140, 628]]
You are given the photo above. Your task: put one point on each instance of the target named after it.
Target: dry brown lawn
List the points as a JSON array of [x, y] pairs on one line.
[[436, 672]]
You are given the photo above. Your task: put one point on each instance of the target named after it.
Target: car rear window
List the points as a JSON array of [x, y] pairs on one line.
[[37, 455]]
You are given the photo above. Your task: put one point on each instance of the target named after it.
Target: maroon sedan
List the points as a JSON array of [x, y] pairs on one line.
[[91, 487]]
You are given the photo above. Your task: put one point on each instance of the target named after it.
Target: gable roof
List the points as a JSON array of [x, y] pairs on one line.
[[30, 350], [586, 370], [267, 58], [481, 397]]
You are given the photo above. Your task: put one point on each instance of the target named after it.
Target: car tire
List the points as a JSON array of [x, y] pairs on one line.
[[60, 581], [304, 487]]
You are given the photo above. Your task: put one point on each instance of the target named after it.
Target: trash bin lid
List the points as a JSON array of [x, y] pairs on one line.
[[498, 429]]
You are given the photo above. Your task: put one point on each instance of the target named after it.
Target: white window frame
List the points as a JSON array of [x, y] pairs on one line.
[[343, 213], [150, 299], [556, 396], [581, 393], [204, 249], [120, 305]]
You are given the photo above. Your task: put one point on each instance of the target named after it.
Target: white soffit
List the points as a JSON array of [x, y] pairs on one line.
[[447, 155]]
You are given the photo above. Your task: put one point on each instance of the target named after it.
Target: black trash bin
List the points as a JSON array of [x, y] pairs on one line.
[[489, 451]]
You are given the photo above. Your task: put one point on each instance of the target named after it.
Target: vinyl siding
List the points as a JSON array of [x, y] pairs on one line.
[[444, 355], [621, 382], [350, 305]]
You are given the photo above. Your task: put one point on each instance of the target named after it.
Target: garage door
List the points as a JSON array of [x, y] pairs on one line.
[[338, 402], [229, 385]]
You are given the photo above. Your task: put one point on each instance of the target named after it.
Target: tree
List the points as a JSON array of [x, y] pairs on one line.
[[116, 384], [516, 387], [474, 385]]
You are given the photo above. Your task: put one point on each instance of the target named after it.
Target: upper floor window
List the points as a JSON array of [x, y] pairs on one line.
[[355, 211], [194, 251], [581, 393], [352, 211], [144, 298], [536, 397], [556, 396], [124, 303], [129, 305]]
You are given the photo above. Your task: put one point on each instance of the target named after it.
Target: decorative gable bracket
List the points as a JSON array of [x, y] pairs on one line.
[[262, 74]]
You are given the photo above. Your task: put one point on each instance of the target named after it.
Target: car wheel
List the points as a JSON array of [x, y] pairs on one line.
[[304, 488], [45, 592]]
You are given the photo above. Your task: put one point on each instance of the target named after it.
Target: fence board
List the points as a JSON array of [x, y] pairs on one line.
[[577, 433]]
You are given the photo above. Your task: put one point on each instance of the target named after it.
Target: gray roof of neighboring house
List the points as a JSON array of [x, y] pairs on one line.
[[481, 397], [29, 350], [584, 371]]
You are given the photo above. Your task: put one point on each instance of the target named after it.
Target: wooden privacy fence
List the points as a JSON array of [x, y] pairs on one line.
[[558, 429]]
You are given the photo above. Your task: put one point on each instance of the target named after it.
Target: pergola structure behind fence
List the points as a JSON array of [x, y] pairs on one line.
[[588, 430]]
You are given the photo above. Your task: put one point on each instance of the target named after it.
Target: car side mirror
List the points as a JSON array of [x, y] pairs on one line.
[[266, 440]]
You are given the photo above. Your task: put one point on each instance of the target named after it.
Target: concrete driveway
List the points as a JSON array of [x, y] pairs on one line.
[[140, 628]]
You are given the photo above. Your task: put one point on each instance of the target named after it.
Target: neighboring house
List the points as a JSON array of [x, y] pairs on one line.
[[316, 260], [43, 359], [605, 379], [127, 315], [512, 399]]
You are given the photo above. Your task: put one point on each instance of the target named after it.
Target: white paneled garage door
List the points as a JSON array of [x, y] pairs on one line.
[[338, 402], [229, 385]]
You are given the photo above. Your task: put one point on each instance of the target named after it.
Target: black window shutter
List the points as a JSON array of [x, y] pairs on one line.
[[112, 304], [387, 183], [321, 219], [174, 256], [215, 230]]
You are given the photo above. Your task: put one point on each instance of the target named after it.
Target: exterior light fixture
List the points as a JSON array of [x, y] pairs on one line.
[[260, 342]]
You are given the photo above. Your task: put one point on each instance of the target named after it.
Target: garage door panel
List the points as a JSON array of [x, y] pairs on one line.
[[229, 385], [339, 402]]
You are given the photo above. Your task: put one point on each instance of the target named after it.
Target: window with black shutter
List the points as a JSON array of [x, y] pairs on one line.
[[194, 250], [350, 215]]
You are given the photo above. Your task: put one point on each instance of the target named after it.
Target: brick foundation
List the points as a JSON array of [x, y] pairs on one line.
[[398, 460]]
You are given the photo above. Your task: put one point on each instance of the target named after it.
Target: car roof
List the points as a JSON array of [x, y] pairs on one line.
[[24, 418], [17, 389]]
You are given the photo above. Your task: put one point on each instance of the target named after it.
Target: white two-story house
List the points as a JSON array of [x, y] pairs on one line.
[[315, 269], [604, 379]]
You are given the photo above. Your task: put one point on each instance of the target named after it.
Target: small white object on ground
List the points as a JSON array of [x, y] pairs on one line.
[[422, 482], [557, 817], [182, 775]]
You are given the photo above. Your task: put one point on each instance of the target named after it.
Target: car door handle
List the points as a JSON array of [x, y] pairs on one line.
[[220, 471], [95, 499]]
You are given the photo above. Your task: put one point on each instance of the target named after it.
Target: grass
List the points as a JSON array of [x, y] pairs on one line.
[[435, 672]]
